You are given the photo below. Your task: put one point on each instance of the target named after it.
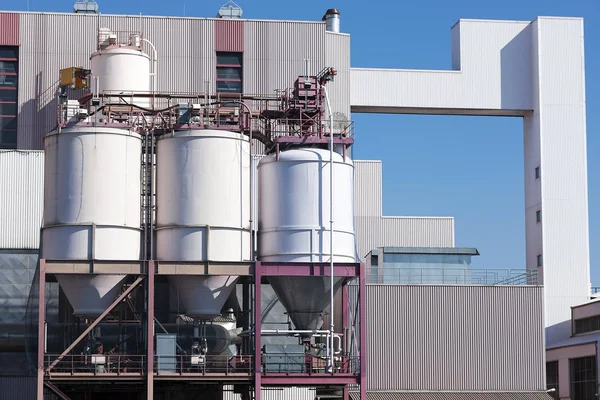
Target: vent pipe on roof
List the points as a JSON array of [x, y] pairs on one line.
[[85, 7], [230, 10], [332, 20]]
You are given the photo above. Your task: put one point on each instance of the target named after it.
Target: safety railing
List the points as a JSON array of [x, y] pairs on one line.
[[451, 276], [275, 363], [203, 365], [96, 364]]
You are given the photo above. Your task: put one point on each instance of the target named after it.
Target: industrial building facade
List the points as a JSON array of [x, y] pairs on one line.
[[498, 68]]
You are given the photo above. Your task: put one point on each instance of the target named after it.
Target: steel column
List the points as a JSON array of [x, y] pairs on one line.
[[41, 330], [257, 345], [150, 332], [363, 331]]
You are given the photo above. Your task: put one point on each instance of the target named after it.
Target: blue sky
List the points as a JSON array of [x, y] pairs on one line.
[[467, 167]]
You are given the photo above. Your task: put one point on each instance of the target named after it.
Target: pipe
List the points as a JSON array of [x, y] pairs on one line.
[[154, 67], [251, 176], [338, 350], [331, 326]]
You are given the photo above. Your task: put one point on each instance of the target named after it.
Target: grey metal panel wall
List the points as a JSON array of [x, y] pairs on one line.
[[367, 188], [286, 393], [417, 231], [367, 205], [21, 198], [455, 338], [274, 52], [49, 42], [337, 55]]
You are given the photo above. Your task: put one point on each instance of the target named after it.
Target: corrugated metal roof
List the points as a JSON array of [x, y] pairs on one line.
[[9, 29], [21, 198], [453, 396]]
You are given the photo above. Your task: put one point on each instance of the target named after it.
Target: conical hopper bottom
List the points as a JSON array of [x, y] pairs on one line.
[[90, 295], [305, 298], [203, 297]]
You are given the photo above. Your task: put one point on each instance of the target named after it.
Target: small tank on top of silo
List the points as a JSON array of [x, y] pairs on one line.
[[122, 67], [91, 208], [203, 211], [293, 224]]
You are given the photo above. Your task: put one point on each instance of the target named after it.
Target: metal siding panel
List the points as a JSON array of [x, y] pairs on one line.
[[274, 53], [495, 74], [285, 393], [367, 188], [455, 338], [9, 29], [337, 55], [367, 234], [21, 198], [542, 395], [185, 46], [229, 35], [564, 192], [417, 232]]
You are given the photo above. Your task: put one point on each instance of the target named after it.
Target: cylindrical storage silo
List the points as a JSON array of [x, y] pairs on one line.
[[123, 69], [91, 207], [293, 207], [203, 210], [293, 225]]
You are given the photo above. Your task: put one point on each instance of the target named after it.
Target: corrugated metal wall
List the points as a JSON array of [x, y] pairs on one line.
[[49, 42], [417, 232], [285, 393], [21, 388], [495, 75], [274, 53], [374, 230], [21, 198], [9, 29], [337, 55], [454, 338], [559, 128]]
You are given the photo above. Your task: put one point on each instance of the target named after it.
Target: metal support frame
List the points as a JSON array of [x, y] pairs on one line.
[[150, 332], [257, 328], [41, 329], [96, 322], [349, 270]]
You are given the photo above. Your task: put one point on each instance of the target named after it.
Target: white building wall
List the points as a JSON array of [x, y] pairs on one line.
[[561, 124], [374, 230], [512, 68], [21, 198]]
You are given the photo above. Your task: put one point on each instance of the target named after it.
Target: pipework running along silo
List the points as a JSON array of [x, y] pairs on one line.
[[293, 225], [203, 211], [91, 208]]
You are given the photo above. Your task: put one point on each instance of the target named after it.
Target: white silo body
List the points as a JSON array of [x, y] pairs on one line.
[[122, 70], [293, 207], [293, 225], [91, 207], [203, 210]]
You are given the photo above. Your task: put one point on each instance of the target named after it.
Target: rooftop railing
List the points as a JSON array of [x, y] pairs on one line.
[[451, 276]]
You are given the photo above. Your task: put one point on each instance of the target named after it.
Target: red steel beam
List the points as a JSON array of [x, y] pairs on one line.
[[93, 324]]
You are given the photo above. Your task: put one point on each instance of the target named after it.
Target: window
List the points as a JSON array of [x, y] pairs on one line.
[[589, 324], [538, 216], [539, 260], [552, 378], [583, 378], [9, 70], [229, 72], [537, 172]]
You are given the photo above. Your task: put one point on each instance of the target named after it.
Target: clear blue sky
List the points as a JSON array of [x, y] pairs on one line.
[[467, 167]]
